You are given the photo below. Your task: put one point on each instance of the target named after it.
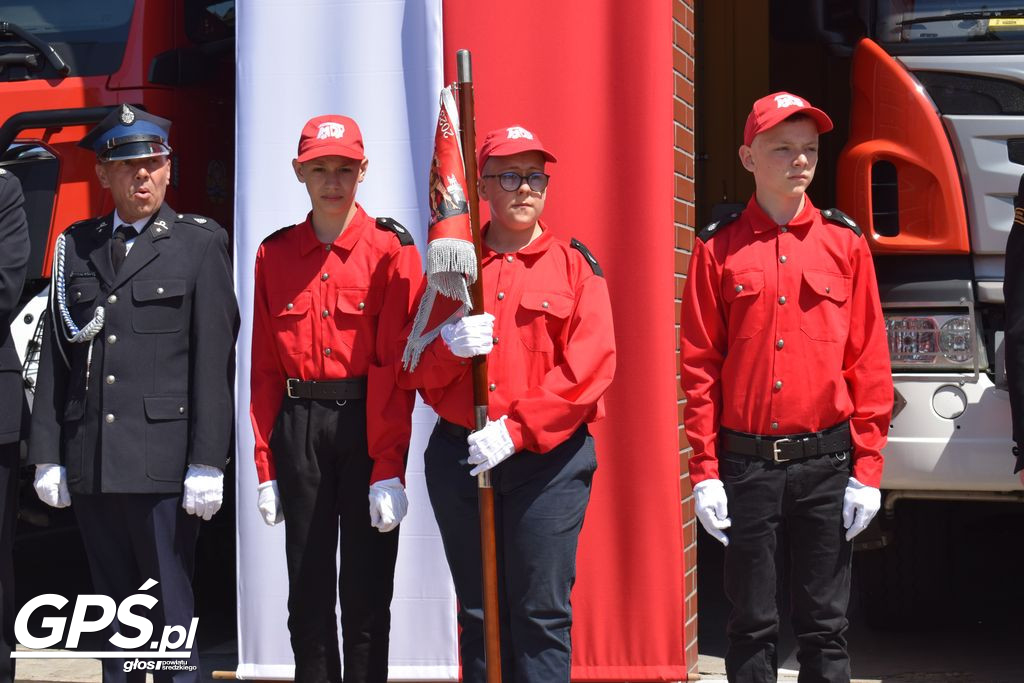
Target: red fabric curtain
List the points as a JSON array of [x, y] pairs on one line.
[[594, 81]]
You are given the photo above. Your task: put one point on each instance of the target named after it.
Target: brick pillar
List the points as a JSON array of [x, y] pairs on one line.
[[685, 216]]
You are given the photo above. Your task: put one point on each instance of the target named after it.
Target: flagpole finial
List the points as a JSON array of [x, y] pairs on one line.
[[464, 66]]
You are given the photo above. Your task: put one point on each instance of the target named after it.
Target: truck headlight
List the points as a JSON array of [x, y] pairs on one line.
[[940, 341]]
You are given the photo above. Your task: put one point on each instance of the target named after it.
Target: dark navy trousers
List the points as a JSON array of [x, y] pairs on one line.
[[804, 497], [540, 501], [9, 453], [130, 538]]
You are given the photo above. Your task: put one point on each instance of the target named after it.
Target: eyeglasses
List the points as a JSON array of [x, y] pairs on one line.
[[511, 181]]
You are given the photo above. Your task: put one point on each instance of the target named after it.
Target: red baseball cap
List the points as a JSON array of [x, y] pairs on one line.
[[771, 110], [504, 142], [330, 135]]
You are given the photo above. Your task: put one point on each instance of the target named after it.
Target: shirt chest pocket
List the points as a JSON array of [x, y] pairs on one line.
[[825, 313], [744, 295], [541, 319], [289, 315], [356, 312], [159, 306], [81, 299]]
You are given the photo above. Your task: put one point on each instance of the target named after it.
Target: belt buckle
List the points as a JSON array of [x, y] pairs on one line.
[[290, 384], [775, 449]]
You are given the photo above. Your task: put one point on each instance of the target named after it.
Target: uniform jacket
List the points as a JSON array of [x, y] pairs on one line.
[[161, 379], [14, 250], [1013, 290], [554, 347], [782, 333], [335, 311]]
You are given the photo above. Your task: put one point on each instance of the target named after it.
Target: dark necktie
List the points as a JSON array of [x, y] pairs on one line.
[[118, 248]]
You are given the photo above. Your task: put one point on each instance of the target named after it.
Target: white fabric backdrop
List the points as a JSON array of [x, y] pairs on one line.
[[379, 62]]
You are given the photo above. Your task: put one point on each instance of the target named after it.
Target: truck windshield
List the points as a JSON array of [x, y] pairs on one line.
[[89, 36], [950, 22]]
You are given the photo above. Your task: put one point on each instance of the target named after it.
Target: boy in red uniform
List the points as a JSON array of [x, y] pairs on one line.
[[785, 366], [332, 296], [548, 333]]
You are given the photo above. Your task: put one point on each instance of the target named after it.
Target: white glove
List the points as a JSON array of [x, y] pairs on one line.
[[388, 504], [470, 336], [269, 503], [860, 505], [51, 485], [489, 446], [712, 507], [204, 491]]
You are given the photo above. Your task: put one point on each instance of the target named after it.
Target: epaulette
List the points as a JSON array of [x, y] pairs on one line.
[[711, 229], [277, 233], [86, 223], [201, 221], [582, 248], [839, 218], [404, 238]]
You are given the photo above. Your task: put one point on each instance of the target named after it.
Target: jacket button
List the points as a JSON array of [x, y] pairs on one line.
[[78, 295], [828, 289], [181, 410], [327, 351], [495, 340], [159, 290], [289, 307], [327, 247], [111, 338], [775, 425], [510, 258], [325, 313], [778, 384], [779, 344], [782, 300], [111, 379], [544, 304], [739, 288], [109, 418], [112, 299], [782, 259], [783, 229], [362, 305], [493, 387], [501, 295], [324, 277]]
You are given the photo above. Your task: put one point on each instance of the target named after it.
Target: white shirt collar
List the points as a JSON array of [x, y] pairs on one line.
[[139, 225]]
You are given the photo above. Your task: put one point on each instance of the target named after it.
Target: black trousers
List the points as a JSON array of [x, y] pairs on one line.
[[323, 474], [130, 538], [9, 453], [804, 497], [539, 505]]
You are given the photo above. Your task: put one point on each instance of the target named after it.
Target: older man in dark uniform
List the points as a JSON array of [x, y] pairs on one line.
[[14, 247], [134, 409]]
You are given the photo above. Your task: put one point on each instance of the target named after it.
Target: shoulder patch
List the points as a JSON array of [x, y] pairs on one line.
[[390, 224], [712, 229], [582, 248], [277, 233], [841, 219]]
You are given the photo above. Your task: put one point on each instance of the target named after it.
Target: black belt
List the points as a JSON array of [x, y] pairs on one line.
[[327, 390], [458, 431], [791, 447]]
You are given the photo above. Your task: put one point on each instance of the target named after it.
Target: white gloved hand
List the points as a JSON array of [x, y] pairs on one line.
[[860, 505], [470, 336], [204, 491], [712, 508], [489, 446], [51, 485], [269, 503], [388, 504]]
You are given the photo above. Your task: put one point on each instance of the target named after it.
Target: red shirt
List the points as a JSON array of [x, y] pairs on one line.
[[554, 351], [782, 333], [334, 311]]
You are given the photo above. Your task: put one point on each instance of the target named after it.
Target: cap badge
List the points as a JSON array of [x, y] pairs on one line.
[[517, 132], [127, 115], [330, 129], [783, 101]]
